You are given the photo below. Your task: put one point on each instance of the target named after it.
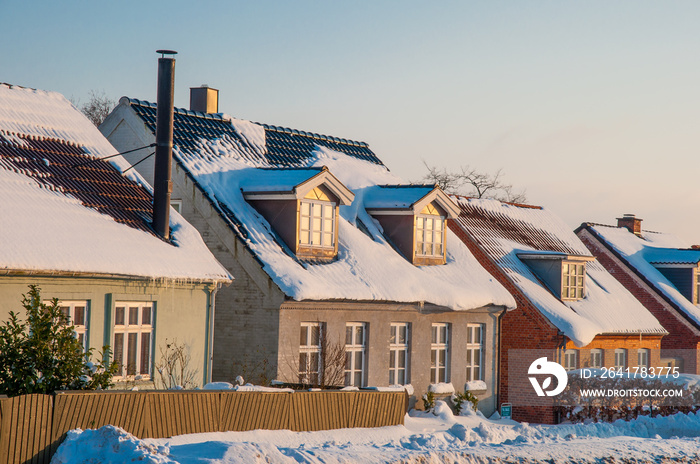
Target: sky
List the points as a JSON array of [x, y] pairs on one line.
[[592, 107]]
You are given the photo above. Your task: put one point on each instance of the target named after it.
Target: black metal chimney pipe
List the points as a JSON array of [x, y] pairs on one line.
[[162, 183]]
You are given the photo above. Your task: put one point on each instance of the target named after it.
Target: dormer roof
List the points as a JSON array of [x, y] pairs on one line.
[[293, 183], [407, 199]]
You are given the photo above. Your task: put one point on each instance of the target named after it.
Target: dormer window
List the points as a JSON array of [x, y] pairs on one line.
[[564, 274], [430, 233], [317, 220], [301, 207], [572, 281]]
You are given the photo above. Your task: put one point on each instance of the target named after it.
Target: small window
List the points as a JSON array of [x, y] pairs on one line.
[[696, 300], [439, 353], [620, 358], [133, 338], [475, 351], [573, 278], [317, 224], [398, 353], [571, 360], [430, 236], [596, 358], [355, 353], [77, 312], [643, 355], [310, 353], [177, 205]]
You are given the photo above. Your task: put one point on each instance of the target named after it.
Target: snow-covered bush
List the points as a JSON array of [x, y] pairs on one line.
[[428, 401], [41, 353], [463, 401]]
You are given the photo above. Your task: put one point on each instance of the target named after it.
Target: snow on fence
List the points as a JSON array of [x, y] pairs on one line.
[[32, 426]]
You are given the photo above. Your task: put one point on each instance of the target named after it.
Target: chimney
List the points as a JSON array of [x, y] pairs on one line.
[[631, 222], [162, 185], [204, 99]]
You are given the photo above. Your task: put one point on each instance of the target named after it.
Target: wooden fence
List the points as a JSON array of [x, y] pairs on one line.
[[32, 426]]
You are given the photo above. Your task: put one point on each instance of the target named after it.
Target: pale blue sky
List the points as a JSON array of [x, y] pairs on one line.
[[593, 107]]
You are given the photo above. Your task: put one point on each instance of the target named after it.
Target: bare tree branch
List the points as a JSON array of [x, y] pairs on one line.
[[473, 183], [97, 108]]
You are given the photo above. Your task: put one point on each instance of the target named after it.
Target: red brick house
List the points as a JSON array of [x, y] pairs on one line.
[[570, 309], [662, 272]]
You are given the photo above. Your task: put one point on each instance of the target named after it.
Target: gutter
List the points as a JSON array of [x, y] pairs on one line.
[[210, 333], [499, 324]]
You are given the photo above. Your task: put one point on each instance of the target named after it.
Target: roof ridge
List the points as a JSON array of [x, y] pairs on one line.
[[588, 223], [519, 205], [407, 185], [270, 127]]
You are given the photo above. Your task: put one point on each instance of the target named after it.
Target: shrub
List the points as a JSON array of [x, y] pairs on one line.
[[429, 401], [42, 355], [458, 400]]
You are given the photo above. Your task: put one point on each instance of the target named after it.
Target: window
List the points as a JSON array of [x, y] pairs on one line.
[[176, 205], [398, 354], [570, 360], [355, 353], [697, 287], [77, 312], [309, 352], [439, 353], [475, 350], [643, 357], [430, 234], [596, 358], [620, 358], [133, 338], [572, 280], [317, 221]]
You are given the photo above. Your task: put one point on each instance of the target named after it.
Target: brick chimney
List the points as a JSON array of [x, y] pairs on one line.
[[204, 99], [631, 222]]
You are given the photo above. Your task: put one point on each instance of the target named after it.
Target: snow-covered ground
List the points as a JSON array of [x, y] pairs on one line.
[[425, 438]]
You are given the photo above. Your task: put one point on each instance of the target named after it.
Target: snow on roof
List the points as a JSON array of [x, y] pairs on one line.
[[277, 180], [506, 231], [54, 223], [222, 161], [395, 196], [652, 247]]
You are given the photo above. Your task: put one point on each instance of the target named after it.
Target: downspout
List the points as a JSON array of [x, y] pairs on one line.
[[498, 361], [210, 338]]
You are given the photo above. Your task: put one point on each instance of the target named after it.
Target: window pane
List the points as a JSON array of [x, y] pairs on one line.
[[305, 208], [131, 354], [119, 316], [145, 353], [119, 348], [327, 240], [65, 310], [316, 240], [402, 359], [348, 335], [327, 211], [302, 363], [358, 361], [146, 316], [315, 335], [402, 378], [358, 379], [402, 334], [359, 335], [79, 318], [304, 237], [303, 337], [133, 316], [392, 359], [392, 381], [434, 334]]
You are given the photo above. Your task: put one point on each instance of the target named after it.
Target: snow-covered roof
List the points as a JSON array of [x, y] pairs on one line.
[[506, 232], [407, 197], [295, 181], [230, 153], [641, 253], [65, 210]]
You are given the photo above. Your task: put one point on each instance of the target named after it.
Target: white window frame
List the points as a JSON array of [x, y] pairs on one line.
[[68, 307], [597, 353], [570, 360], [573, 286], [324, 223], [139, 329], [356, 354], [308, 350], [176, 205], [475, 352], [643, 357], [620, 358], [426, 236], [440, 343], [399, 352]]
